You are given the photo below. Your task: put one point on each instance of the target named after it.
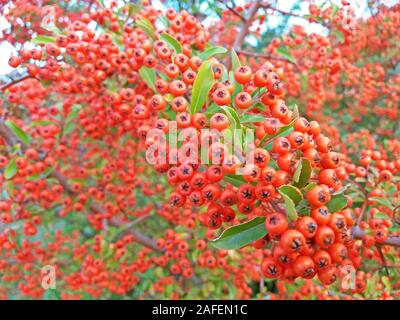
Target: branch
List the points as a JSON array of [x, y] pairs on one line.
[[232, 10], [362, 211], [395, 219], [261, 55], [378, 247], [15, 78], [365, 204], [278, 208], [358, 233], [246, 25], [267, 6], [9, 136], [7, 85], [12, 140]]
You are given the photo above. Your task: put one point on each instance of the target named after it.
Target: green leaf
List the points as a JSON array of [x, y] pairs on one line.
[[383, 202], [241, 235], [173, 43], [237, 86], [339, 35], [73, 113], [302, 173], [386, 282], [169, 97], [34, 177], [235, 60], [235, 64], [201, 86], [69, 121], [290, 206], [296, 111], [118, 42], [235, 180], [335, 9], [41, 123], [258, 92], [292, 192], [381, 215], [43, 40], [102, 3], [135, 8], [10, 189], [337, 203], [147, 27], [303, 82], [171, 113], [22, 135], [232, 116], [303, 208], [69, 127], [249, 118], [11, 169], [213, 108], [372, 283], [309, 186], [284, 131], [46, 83], [211, 52], [164, 21], [284, 52], [314, 18], [148, 75], [48, 171]]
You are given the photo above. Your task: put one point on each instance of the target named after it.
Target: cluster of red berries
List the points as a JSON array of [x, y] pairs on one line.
[[118, 85], [315, 245], [311, 244], [174, 249]]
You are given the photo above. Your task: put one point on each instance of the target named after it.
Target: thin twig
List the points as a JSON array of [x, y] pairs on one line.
[[15, 81], [358, 233], [364, 207], [362, 212], [232, 10], [378, 247], [246, 25], [267, 6], [261, 55]]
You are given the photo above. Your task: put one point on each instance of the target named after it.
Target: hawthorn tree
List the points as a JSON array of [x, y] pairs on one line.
[[94, 185]]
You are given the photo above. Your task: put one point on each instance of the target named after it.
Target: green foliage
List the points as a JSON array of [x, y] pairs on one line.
[[241, 235], [284, 131], [148, 75], [284, 52], [302, 173], [11, 169], [43, 40], [291, 196], [147, 27], [172, 42], [202, 85], [212, 52], [22, 135], [337, 203]]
